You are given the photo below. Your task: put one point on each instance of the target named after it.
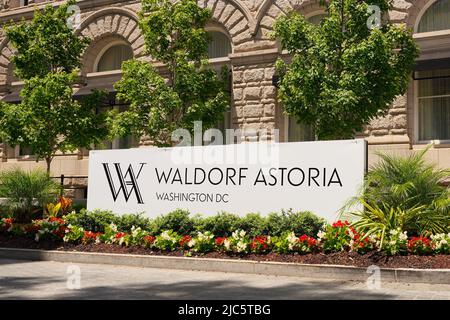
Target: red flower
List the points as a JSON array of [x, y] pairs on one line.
[[220, 240], [7, 224], [309, 241], [185, 240], [90, 236], [340, 224], [32, 228], [260, 243], [149, 239], [120, 235], [58, 220], [420, 245]]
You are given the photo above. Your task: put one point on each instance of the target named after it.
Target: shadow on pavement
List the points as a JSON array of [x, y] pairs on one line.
[[211, 290]]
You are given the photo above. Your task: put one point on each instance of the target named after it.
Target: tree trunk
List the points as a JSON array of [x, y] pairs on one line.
[[49, 163]]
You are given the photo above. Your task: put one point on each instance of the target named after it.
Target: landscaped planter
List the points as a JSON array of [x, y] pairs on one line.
[[338, 243], [336, 258]]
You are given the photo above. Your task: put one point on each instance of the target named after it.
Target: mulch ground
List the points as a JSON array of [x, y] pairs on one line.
[[339, 258]]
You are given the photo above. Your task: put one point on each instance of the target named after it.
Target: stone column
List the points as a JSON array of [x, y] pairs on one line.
[[254, 94]]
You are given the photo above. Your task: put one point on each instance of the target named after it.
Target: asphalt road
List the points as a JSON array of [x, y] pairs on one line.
[[55, 280]]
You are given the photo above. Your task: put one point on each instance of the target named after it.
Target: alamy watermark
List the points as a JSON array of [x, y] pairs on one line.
[[73, 277], [74, 20], [374, 20], [213, 147], [374, 280]]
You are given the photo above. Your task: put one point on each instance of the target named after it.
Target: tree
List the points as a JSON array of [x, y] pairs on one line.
[[49, 119], [191, 91], [47, 43], [343, 72]]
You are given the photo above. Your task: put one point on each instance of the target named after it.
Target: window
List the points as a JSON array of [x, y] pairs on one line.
[[25, 151], [113, 58], [297, 132], [317, 19], [121, 142], [219, 46], [436, 17], [433, 100]]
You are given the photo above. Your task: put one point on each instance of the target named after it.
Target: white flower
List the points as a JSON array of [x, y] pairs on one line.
[[135, 231], [241, 246], [165, 235], [113, 227], [403, 236], [321, 234], [191, 243], [227, 244], [350, 233], [352, 244]]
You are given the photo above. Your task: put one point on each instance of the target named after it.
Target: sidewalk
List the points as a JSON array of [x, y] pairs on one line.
[[48, 280]]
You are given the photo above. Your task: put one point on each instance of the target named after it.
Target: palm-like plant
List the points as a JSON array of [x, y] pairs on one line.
[[406, 194], [24, 192], [407, 182]]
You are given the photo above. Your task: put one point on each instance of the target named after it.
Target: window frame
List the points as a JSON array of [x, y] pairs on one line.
[[430, 51], [417, 122], [104, 50], [420, 16]]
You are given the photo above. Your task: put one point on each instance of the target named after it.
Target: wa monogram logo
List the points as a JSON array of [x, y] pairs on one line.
[[128, 182]]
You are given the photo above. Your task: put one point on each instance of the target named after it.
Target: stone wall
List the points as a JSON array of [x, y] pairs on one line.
[[248, 24]]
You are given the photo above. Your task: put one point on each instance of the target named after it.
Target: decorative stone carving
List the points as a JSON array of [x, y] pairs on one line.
[[4, 4]]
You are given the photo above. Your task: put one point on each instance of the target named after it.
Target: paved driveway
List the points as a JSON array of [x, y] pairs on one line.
[[55, 280]]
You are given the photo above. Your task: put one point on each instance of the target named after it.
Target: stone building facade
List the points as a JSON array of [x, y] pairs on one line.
[[242, 30]]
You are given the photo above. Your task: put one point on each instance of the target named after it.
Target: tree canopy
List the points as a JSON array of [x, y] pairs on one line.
[[187, 90], [49, 119], [343, 72], [47, 43]]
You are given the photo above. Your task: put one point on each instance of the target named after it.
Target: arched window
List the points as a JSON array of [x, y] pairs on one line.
[[317, 18], [219, 46], [436, 17], [113, 58]]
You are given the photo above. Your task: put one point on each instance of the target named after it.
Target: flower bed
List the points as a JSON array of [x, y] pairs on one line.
[[339, 237]]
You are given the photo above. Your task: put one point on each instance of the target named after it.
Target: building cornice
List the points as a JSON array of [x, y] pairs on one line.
[[17, 14]]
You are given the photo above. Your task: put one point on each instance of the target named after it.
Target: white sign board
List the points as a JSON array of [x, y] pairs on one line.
[[243, 178]]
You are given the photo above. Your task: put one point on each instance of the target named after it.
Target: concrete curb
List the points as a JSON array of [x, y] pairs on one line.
[[332, 272]]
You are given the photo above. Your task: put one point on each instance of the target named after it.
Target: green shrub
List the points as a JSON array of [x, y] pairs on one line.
[[78, 207], [94, 221], [27, 193], [404, 194], [178, 221], [301, 223], [253, 224], [221, 225], [168, 240], [126, 222]]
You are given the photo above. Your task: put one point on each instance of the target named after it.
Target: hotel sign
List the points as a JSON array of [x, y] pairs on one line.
[[249, 177]]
